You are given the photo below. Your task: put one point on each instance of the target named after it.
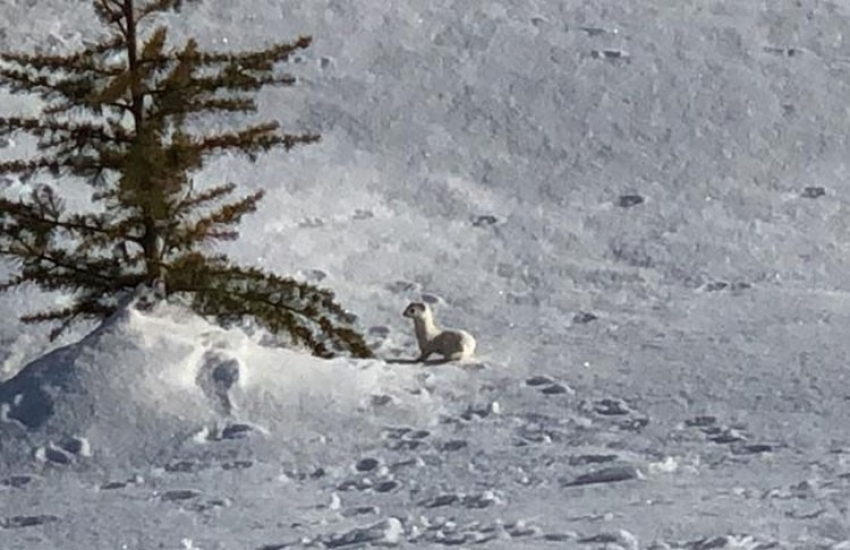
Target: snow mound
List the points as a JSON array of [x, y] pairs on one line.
[[157, 380]]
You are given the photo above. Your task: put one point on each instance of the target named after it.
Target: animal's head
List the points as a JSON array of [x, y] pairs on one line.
[[416, 310]]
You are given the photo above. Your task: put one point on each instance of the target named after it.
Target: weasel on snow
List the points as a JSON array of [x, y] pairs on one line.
[[451, 344]]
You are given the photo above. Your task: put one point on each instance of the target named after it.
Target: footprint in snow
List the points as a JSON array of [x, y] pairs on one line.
[[734, 436], [361, 214], [366, 464], [474, 501], [611, 474], [311, 222], [179, 495], [17, 481], [547, 386], [485, 220], [453, 445], [17, 522], [185, 466], [403, 287], [379, 331], [237, 465]]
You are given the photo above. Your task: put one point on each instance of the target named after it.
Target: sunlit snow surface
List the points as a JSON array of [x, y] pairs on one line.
[[488, 156]]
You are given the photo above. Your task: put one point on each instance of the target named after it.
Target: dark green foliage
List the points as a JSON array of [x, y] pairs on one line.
[[118, 115]]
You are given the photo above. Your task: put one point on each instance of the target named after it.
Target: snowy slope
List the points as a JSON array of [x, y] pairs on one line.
[[488, 156]]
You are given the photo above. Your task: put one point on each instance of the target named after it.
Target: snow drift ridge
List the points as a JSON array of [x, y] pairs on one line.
[[149, 381]]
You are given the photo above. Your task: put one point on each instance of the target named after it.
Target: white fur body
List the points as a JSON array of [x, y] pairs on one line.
[[453, 345]]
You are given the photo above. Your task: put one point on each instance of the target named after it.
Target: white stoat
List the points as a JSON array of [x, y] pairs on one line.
[[451, 344]]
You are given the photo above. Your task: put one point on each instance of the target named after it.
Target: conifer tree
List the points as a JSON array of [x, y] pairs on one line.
[[119, 115]]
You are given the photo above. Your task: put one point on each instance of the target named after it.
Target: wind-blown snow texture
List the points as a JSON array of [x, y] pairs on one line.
[[638, 208]]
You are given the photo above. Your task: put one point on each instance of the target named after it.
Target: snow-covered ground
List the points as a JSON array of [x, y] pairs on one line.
[[640, 210]]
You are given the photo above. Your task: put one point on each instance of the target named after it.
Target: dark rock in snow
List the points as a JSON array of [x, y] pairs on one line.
[[813, 192], [366, 465], [112, 485], [605, 475]]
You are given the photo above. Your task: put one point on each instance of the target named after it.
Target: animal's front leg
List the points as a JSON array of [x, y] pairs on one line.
[[423, 356]]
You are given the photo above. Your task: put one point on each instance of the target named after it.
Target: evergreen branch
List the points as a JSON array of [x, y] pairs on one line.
[[156, 7], [81, 133], [254, 139], [82, 62], [48, 86], [256, 58], [81, 165], [213, 226], [191, 202]]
